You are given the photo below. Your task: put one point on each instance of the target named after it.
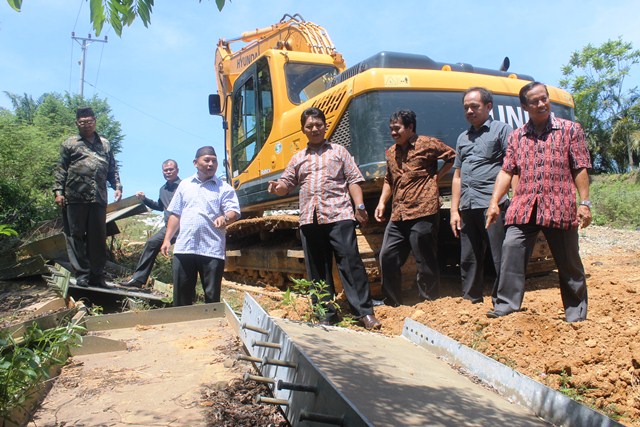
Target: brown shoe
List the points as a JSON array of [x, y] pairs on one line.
[[370, 322]]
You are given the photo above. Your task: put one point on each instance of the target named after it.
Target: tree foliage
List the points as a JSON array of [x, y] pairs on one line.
[[606, 108], [30, 138], [117, 13]]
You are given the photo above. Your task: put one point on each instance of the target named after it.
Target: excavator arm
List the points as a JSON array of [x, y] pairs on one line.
[[292, 33]]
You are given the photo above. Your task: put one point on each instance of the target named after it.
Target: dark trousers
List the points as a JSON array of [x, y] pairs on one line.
[[149, 254], [321, 242], [419, 236], [474, 240], [86, 232], [516, 250], [186, 268]]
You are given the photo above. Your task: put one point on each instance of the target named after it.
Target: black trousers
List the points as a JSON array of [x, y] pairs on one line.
[[419, 236], [474, 241], [321, 242], [186, 268], [516, 250], [149, 254], [86, 232]]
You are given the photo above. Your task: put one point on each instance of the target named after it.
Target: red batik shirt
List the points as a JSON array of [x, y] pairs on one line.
[[545, 164], [324, 175]]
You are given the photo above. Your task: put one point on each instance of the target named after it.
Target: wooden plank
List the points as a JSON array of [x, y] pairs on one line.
[[265, 259]]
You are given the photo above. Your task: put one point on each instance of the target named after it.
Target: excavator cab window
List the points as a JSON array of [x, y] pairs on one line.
[[252, 117], [304, 81]]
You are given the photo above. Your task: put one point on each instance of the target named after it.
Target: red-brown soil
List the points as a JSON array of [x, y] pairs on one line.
[[596, 361]]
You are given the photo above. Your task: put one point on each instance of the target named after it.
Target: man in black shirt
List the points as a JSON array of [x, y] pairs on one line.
[[152, 248]]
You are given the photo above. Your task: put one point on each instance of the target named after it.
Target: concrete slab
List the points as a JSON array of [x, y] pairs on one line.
[[394, 382]]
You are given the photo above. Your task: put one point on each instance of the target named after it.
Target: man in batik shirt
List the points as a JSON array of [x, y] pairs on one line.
[[551, 158], [86, 165], [328, 178]]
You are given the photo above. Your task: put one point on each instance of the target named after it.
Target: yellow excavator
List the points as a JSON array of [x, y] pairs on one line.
[[281, 70]]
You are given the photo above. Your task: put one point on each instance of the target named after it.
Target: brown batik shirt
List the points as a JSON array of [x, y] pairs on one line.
[[411, 174]]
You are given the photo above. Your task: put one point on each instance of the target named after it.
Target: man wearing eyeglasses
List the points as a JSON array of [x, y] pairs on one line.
[[86, 165], [551, 158]]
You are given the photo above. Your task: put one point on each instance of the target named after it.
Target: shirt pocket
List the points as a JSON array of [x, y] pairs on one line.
[[491, 150]]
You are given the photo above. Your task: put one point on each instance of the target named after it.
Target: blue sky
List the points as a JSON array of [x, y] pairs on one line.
[[157, 79]]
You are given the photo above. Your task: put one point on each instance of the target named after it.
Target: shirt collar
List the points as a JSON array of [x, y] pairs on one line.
[[552, 123], [213, 179], [95, 139], [485, 125], [324, 144], [411, 143], [173, 184]]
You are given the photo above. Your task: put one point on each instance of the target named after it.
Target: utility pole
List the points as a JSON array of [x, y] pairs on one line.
[[84, 44]]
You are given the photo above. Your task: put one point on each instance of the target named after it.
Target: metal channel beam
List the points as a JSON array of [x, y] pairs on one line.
[[304, 393], [155, 317], [548, 404]]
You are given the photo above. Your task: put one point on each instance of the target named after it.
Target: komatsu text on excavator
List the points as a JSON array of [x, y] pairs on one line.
[[283, 69]]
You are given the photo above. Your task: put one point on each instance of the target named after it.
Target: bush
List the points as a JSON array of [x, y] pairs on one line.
[[26, 363], [616, 200]]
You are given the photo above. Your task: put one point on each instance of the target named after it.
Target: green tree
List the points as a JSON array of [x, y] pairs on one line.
[[30, 147], [605, 107], [24, 106], [117, 13]]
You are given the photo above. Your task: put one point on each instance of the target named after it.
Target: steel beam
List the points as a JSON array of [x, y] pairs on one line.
[[548, 404]]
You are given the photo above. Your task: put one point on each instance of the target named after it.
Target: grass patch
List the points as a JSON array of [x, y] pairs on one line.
[[128, 245], [616, 200]]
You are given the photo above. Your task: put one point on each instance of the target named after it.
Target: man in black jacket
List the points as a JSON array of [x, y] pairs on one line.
[[152, 248]]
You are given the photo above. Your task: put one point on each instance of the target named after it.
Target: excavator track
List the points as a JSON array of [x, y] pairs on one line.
[[267, 250]]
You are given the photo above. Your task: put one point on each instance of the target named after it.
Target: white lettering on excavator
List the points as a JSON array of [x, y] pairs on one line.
[[514, 117], [244, 61]]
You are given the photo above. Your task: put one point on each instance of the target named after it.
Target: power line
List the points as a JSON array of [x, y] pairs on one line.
[[86, 41], [100, 63], [78, 15], [75, 24], [149, 115]]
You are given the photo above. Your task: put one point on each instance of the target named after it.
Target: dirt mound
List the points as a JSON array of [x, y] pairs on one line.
[[596, 362]]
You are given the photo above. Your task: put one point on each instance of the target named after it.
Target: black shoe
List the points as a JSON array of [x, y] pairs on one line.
[[370, 322], [495, 314], [133, 283], [101, 283], [82, 283]]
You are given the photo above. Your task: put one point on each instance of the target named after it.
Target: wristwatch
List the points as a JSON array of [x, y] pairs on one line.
[[586, 203], [361, 207]]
